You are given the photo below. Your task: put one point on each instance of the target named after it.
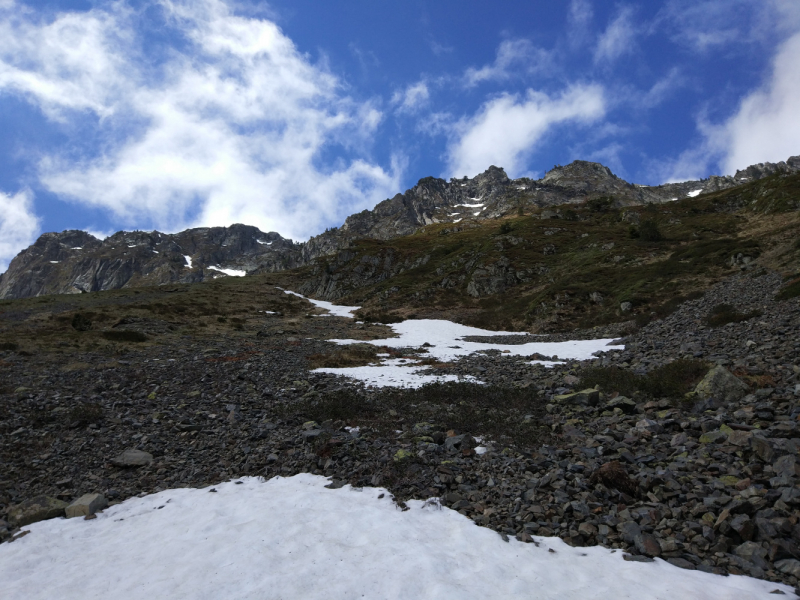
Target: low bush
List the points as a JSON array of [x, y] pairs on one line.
[[81, 322], [649, 231], [86, 414], [722, 314], [355, 355], [491, 411], [124, 335], [790, 290], [9, 346], [384, 318], [672, 380]]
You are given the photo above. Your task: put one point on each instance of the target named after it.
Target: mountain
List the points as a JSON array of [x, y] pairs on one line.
[[75, 261]]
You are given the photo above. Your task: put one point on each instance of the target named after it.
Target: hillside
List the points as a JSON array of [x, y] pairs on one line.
[[569, 266]]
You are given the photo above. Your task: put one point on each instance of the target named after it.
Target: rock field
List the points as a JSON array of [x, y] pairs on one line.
[[708, 482]]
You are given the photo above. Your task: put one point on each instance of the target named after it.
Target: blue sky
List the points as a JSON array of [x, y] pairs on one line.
[[291, 115]]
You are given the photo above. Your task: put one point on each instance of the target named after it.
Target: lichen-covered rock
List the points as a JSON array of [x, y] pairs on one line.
[[721, 384], [36, 509]]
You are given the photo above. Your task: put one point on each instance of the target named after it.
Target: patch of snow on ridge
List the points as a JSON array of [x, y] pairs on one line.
[[231, 272], [306, 541], [333, 309], [264, 243], [470, 205], [188, 260], [694, 193]]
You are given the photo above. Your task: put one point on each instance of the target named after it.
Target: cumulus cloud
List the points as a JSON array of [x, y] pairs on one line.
[[766, 126], [19, 225], [513, 57], [228, 129], [412, 98], [618, 38], [506, 129]]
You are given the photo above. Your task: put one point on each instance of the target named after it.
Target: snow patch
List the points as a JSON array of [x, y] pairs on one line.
[[188, 260], [293, 538], [264, 243], [694, 193], [231, 272], [333, 309]]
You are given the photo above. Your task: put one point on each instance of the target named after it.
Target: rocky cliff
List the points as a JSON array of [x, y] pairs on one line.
[[75, 261]]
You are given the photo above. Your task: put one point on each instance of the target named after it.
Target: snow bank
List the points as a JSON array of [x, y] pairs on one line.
[[293, 538], [333, 309], [694, 193], [231, 272], [188, 260], [446, 341]]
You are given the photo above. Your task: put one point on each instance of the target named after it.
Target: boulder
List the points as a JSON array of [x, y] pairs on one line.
[[86, 505], [132, 458], [626, 405], [721, 384], [588, 397], [36, 509]]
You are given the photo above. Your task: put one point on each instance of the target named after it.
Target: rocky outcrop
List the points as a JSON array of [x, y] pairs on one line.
[[72, 262]]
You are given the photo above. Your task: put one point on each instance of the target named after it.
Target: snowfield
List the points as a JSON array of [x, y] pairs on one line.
[[444, 342], [291, 538]]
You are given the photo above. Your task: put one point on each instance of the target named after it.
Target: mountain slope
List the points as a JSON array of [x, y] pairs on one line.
[[74, 261]]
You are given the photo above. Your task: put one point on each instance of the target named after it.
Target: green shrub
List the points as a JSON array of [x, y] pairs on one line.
[[124, 335], [81, 322], [672, 380], [649, 232], [505, 228], [9, 346]]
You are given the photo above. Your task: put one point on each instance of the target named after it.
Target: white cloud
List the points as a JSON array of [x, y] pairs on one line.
[[579, 19], [506, 129], [513, 57], [19, 226], [229, 129], [412, 98], [767, 125], [618, 38]]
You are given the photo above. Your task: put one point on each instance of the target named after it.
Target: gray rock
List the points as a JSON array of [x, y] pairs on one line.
[[682, 563], [744, 526], [752, 552], [88, 504], [790, 566], [626, 405], [719, 383], [587, 397], [36, 509], [762, 448], [132, 458], [628, 531], [786, 466], [647, 544]]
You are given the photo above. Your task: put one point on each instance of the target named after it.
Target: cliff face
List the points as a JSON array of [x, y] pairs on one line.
[[74, 261]]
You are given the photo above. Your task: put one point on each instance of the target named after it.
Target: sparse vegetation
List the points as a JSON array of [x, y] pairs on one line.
[[124, 335], [85, 414], [503, 413], [722, 314], [672, 380], [81, 322]]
